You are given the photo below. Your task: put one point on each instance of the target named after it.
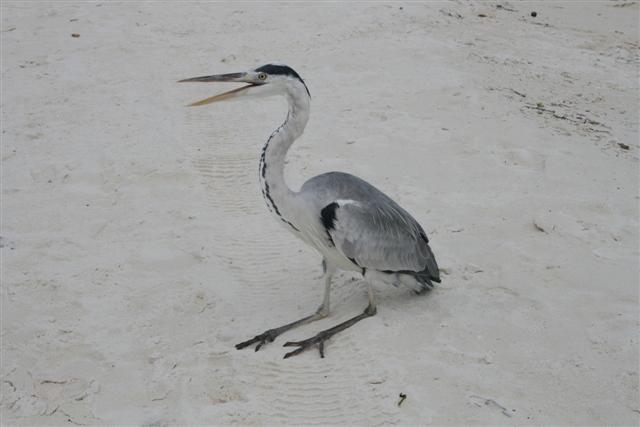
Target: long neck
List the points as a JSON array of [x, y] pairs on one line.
[[279, 197]]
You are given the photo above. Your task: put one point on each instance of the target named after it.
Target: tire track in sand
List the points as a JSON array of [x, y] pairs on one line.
[[252, 245], [341, 389]]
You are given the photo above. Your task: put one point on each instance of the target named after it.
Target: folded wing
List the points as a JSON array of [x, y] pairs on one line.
[[380, 236]]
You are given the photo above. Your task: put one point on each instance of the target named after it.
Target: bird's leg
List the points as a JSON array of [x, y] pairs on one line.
[[322, 336], [323, 311], [271, 334]]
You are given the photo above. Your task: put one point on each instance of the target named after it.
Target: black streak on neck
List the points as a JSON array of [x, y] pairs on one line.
[[263, 171]]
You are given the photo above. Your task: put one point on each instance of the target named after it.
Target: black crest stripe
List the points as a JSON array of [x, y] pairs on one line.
[[282, 70]]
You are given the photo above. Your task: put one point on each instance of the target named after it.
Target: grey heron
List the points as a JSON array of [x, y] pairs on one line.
[[352, 224]]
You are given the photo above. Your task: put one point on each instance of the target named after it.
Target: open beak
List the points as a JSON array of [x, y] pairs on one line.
[[233, 77]]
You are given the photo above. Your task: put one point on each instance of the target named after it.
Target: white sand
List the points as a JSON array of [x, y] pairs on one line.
[[137, 250]]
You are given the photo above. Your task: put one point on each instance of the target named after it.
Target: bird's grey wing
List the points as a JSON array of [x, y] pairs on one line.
[[380, 236]]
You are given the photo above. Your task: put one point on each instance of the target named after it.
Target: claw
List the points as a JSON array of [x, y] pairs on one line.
[[250, 342], [293, 353], [261, 339]]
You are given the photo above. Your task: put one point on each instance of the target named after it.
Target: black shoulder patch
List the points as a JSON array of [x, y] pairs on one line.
[[328, 216], [283, 70]]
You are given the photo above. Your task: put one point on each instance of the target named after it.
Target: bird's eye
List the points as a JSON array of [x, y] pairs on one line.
[[262, 76]]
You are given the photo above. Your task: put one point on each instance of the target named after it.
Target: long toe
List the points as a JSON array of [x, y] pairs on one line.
[[294, 352], [303, 345], [262, 339], [249, 342]]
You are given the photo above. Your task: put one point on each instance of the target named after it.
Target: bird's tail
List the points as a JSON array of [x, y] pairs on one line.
[[417, 282]]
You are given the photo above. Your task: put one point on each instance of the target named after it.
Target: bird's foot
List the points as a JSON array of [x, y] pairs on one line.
[[303, 345], [262, 339], [272, 334], [322, 336]]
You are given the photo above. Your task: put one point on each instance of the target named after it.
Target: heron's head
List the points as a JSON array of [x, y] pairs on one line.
[[267, 80]]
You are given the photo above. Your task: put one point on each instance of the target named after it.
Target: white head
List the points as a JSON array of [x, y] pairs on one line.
[[267, 80]]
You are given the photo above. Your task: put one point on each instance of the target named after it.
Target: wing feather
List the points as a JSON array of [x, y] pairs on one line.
[[381, 236]]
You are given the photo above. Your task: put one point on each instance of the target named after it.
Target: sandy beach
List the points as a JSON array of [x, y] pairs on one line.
[[137, 250]]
